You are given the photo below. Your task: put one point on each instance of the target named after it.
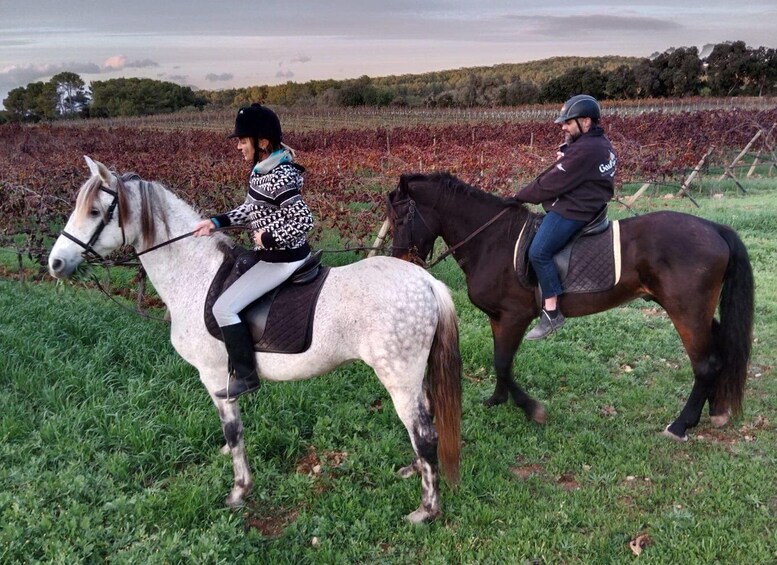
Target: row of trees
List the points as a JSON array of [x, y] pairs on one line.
[[730, 69], [65, 95]]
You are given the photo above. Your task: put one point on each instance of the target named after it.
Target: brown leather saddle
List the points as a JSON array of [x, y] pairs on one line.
[[281, 321], [590, 262]]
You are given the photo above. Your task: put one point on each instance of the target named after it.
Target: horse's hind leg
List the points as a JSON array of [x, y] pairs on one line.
[[720, 413], [232, 426], [697, 337], [414, 413]]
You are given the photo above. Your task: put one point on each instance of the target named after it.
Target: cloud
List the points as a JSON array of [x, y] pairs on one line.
[[212, 77], [284, 74], [593, 24], [300, 59], [143, 63], [13, 76], [118, 62]]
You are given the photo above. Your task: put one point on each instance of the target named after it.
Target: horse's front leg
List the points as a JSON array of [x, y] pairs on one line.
[[508, 332], [232, 426]]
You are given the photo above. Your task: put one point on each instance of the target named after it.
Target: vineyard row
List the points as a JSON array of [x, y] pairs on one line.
[[349, 171]]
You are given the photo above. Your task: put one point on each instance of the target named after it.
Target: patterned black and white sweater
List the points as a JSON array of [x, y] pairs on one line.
[[274, 204]]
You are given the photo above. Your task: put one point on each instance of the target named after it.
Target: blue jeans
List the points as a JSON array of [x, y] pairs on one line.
[[554, 233]]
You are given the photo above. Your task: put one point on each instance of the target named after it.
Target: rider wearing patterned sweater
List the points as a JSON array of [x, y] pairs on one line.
[[280, 221]]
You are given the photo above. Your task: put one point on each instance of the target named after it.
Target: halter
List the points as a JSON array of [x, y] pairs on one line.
[[104, 221]]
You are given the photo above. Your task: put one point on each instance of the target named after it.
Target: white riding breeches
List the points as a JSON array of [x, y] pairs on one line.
[[254, 283]]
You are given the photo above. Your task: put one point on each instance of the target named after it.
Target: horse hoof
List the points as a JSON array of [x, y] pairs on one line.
[[495, 400], [674, 437], [721, 419], [422, 515], [539, 414], [407, 472], [235, 500]]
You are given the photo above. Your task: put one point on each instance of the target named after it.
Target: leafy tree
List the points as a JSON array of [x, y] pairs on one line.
[[578, 80], [71, 93], [518, 92], [621, 83], [764, 72], [362, 92], [685, 72], [678, 72], [648, 80], [35, 102], [727, 68], [140, 97]]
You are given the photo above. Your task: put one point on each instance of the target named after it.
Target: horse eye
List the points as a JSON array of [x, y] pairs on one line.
[[94, 212]]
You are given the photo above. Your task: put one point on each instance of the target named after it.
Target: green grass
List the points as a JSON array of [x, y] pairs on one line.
[[109, 444]]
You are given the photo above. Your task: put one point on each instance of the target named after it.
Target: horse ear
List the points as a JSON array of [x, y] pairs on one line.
[[98, 169], [402, 186]]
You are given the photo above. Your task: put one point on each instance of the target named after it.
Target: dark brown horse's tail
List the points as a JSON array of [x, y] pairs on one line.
[[445, 370], [735, 334]]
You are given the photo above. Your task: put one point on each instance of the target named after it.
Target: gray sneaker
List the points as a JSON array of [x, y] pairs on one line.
[[546, 326]]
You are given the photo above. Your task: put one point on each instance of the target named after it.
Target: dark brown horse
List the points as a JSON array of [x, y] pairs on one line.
[[686, 264]]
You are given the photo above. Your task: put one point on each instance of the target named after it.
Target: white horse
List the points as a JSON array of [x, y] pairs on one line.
[[387, 312]]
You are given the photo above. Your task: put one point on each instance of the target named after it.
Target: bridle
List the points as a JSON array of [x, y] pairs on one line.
[[105, 219], [401, 219], [412, 249], [89, 251]]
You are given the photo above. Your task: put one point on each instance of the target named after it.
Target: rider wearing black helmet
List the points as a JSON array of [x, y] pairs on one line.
[[279, 220], [572, 191]]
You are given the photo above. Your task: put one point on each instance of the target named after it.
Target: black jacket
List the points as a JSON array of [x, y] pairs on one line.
[[578, 184]]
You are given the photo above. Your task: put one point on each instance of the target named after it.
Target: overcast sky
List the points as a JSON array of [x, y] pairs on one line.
[[234, 43]]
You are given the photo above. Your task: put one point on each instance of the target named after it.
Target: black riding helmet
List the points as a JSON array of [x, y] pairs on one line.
[[580, 106], [258, 122]]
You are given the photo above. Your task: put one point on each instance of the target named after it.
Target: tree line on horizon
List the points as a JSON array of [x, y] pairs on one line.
[[730, 69]]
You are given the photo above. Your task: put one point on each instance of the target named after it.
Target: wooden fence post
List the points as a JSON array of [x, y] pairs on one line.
[[753, 166], [744, 151], [684, 188], [640, 192], [381, 236]]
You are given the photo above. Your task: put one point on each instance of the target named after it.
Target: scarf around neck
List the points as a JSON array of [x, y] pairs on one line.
[[276, 158]]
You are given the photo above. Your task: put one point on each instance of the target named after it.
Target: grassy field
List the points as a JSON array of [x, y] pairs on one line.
[[109, 447]]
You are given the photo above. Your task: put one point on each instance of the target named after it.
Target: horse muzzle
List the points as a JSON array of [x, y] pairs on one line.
[[63, 268]]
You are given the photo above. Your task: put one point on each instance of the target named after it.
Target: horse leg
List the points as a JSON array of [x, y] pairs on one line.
[[719, 411], [414, 413], [415, 466], [698, 340], [507, 338], [232, 426]]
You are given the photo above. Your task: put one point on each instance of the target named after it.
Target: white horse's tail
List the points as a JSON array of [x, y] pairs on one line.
[[445, 370]]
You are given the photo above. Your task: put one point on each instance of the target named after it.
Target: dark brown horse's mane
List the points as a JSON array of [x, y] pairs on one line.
[[452, 185]]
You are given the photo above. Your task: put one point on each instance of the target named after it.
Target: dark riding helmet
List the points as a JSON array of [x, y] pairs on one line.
[[580, 106], [257, 121]]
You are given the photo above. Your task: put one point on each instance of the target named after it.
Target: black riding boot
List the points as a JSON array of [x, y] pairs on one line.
[[242, 361], [550, 321]]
